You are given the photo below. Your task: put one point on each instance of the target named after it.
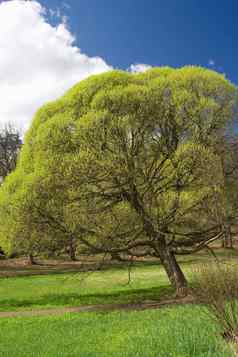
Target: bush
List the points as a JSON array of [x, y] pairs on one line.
[[216, 286]]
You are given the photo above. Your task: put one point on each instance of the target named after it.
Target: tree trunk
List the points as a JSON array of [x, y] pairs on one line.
[[31, 260], [166, 256], [227, 241], [72, 250], [229, 237], [223, 242], [231, 241], [172, 268]]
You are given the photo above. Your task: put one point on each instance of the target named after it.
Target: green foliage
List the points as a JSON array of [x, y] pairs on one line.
[[110, 136]]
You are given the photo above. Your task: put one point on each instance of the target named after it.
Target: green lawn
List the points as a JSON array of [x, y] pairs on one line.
[[179, 331], [107, 286], [175, 332], [148, 282]]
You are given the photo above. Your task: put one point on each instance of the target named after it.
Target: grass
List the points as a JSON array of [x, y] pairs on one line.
[[179, 331], [175, 332], [103, 287], [148, 282]]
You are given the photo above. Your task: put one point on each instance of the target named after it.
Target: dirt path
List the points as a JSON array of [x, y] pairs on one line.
[[97, 308]]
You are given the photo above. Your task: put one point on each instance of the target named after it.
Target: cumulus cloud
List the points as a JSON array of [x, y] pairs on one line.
[[38, 61], [139, 67]]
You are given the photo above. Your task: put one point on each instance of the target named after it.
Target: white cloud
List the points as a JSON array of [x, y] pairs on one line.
[[38, 62], [139, 67], [211, 62]]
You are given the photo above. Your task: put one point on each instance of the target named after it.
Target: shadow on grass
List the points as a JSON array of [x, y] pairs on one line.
[[74, 299]]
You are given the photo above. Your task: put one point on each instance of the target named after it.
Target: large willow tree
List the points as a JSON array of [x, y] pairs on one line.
[[123, 163]]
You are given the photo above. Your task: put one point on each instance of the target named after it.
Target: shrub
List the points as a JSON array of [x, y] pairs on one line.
[[216, 286]]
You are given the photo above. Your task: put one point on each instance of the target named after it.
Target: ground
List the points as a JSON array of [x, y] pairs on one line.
[[174, 331]]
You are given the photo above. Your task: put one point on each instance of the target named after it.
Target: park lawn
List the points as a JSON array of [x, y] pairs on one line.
[[184, 331], [148, 283]]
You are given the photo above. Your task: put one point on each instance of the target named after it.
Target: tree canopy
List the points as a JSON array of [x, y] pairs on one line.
[[123, 162]]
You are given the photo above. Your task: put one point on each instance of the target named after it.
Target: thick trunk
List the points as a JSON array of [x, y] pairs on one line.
[[173, 270], [166, 256]]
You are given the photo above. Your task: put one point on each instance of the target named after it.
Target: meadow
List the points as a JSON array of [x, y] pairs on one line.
[[173, 331], [50, 286]]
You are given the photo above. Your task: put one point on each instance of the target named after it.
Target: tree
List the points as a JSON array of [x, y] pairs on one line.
[[229, 154], [124, 163], [224, 209], [10, 145]]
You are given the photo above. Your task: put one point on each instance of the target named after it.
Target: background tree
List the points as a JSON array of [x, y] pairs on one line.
[[223, 208], [229, 154], [10, 145], [124, 163]]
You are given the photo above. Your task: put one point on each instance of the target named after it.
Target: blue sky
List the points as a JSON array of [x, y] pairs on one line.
[[156, 32], [40, 58]]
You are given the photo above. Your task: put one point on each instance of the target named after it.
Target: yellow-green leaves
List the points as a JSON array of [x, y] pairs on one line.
[[113, 141]]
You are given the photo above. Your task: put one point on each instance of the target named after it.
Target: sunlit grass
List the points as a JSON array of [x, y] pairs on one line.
[[107, 286], [184, 331], [147, 282], [175, 332]]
